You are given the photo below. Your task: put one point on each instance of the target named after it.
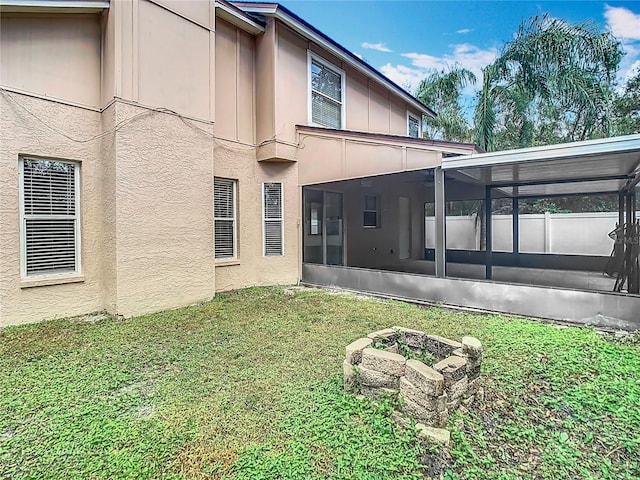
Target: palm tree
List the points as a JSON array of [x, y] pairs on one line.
[[550, 65], [442, 90]]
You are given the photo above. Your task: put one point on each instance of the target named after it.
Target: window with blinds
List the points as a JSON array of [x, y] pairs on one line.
[[370, 213], [327, 86], [224, 212], [273, 220], [413, 126], [50, 228]]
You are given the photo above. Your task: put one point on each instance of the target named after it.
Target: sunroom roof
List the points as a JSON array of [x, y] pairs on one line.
[[592, 166]]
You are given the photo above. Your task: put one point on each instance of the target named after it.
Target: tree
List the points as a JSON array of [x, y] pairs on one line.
[[551, 70], [442, 91], [626, 107]]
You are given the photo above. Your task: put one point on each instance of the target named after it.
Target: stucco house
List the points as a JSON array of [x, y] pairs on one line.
[[155, 152]]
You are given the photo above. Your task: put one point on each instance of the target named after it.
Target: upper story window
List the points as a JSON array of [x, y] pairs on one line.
[[49, 217], [414, 125], [326, 93]]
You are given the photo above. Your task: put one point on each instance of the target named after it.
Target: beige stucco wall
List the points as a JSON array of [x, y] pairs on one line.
[[164, 211], [147, 173], [154, 76], [235, 158], [160, 54], [22, 134], [146, 208], [238, 162], [369, 106], [172, 57], [58, 56], [235, 84], [324, 156]]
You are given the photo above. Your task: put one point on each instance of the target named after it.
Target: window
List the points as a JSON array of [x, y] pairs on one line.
[[273, 223], [370, 214], [414, 126], [49, 217], [224, 217], [326, 93]]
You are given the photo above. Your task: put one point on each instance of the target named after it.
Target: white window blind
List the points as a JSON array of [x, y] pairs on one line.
[[273, 219], [224, 212], [413, 126], [326, 95], [50, 233]]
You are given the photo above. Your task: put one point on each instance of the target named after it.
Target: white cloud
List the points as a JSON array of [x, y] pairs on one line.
[[463, 55], [381, 47], [633, 70], [622, 22], [408, 78], [625, 25], [357, 55], [464, 30]]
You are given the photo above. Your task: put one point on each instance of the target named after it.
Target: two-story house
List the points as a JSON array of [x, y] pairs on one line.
[[155, 152]]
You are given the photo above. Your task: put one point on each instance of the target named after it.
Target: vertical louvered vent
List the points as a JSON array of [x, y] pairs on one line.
[[224, 208], [273, 221], [50, 217]]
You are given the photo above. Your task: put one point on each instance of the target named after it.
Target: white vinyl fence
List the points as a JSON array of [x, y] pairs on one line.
[[559, 233]]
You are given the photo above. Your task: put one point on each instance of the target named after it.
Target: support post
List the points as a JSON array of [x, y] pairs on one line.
[[634, 274], [441, 244], [620, 209], [515, 219], [627, 239], [488, 254]]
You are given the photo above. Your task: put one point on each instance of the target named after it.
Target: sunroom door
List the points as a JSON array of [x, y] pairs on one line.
[[323, 236]]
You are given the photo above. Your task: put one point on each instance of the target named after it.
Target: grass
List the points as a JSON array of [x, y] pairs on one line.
[[248, 387]]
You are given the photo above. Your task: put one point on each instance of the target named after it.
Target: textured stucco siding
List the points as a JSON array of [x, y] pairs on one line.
[[146, 200], [164, 211], [238, 162], [108, 180], [235, 158], [21, 133]]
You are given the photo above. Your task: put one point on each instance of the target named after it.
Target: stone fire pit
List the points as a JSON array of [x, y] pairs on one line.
[[431, 375]]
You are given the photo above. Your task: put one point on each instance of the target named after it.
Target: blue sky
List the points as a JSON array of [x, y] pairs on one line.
[[404, 39]]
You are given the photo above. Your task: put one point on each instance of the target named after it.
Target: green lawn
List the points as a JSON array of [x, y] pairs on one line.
[[248, 386]]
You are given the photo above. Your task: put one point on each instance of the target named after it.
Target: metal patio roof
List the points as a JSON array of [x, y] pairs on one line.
[[593, 166]]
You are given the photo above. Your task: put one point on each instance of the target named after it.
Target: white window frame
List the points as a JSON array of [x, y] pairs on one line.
[[376, 211], [233, 219], [311, 57], [265, 220], [415, 117], [24, 217]]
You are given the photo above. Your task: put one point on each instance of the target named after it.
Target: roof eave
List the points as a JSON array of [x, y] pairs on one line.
[[237, 17], [53, 6]]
